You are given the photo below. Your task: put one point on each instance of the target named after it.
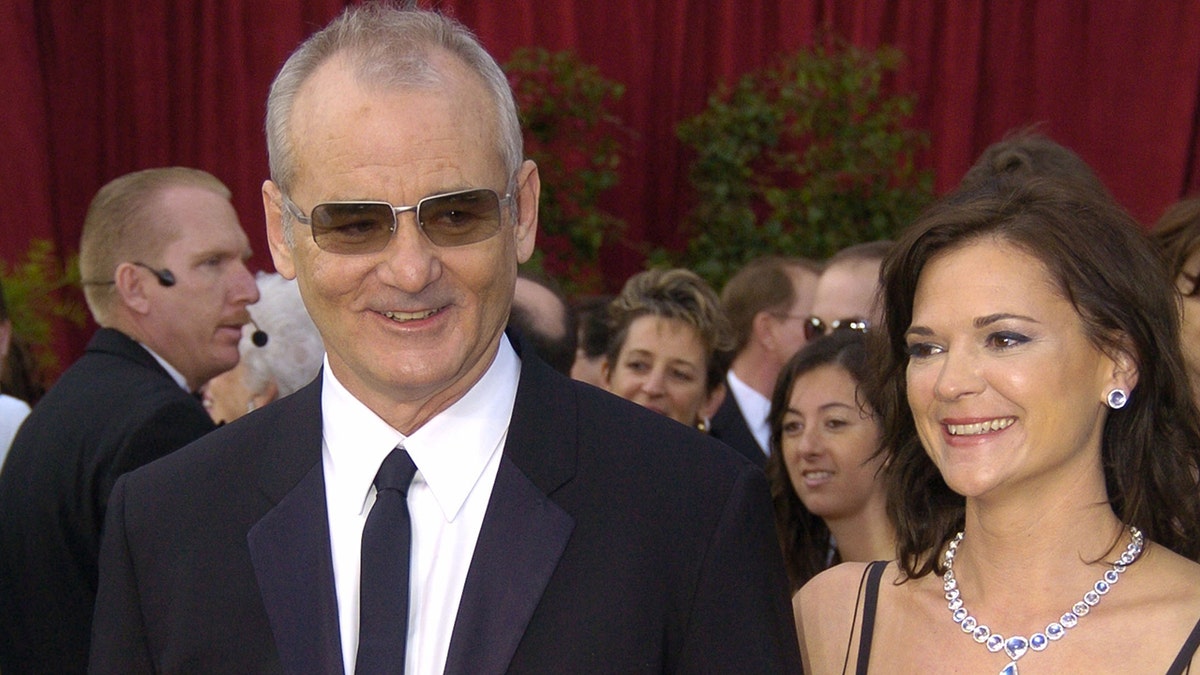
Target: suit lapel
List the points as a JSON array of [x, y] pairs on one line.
[[523, 536], [289, 546], [729, 426], [524, 532]]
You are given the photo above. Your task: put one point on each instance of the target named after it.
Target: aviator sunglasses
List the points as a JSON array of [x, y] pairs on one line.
[[815, 327], [450, 219]]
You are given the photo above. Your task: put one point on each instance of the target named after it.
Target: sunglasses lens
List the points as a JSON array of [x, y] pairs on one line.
[[460, 218], [349, 228], [813, 328]]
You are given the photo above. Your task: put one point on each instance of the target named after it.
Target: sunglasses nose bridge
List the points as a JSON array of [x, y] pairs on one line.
[[415, 209], [397, 210], [420, 238]]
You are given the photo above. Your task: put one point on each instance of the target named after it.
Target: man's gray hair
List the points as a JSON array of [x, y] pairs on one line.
[[387, 46]]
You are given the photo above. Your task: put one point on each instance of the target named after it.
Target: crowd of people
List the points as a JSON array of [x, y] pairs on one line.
[[974, 448]]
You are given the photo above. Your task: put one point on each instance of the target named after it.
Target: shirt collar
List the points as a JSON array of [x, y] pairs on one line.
[[755, 408], [175, 374], [450, 450]]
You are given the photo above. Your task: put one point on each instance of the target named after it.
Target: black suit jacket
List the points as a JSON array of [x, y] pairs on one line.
[[113, 410], [615, 540], [729, 425]]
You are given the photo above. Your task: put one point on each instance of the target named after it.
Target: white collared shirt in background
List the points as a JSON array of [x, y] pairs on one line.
[[457, 454], [13, 412], [175, 374], [755, 408]]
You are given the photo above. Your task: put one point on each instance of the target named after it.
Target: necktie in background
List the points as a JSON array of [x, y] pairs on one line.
[[383, 587]]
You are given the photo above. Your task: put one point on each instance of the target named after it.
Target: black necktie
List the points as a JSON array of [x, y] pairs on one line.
[[383, 586]]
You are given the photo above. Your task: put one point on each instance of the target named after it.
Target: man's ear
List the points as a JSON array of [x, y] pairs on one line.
[[281, 250], [763, 326], [529, 189], [130, 287]]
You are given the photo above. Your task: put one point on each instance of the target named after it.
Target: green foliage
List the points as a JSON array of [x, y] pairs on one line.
[[803, 158], [39, 291], [576, 141]]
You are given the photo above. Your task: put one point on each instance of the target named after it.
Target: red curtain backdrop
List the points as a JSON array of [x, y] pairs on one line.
[[92, 90]]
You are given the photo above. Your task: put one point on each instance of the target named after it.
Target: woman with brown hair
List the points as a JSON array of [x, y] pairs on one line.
[[825, 462], [1044, 450]]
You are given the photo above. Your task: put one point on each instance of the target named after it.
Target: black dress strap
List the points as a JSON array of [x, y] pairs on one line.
[[870, 602], [1184, 660]]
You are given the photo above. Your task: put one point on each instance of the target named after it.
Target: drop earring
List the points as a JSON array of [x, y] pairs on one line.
[[1117, 398]]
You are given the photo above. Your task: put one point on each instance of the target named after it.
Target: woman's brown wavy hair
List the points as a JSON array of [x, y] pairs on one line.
[[1111, 274]]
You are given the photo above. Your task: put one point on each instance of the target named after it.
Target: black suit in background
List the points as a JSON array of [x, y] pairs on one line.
[[113, 410], [729, 425], [615, 540]]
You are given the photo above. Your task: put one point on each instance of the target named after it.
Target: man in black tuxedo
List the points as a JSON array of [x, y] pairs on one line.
[[162, 255], [767, 303], [549, 527]]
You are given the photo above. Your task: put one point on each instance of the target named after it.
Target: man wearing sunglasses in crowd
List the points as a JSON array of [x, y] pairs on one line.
[[846, 297], [768, 302], [438, 500]]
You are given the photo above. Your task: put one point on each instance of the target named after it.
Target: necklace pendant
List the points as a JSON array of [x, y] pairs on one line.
[[1010, 669], [1015, 647]]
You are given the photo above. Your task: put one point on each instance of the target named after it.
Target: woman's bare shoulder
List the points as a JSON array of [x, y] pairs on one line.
[[826, 612], [1168, 580], [836, 585], [1165, 593]]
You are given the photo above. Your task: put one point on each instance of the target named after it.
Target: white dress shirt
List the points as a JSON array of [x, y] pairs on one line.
[[755, 408], [175, 374], [13, 411], [457, 454]]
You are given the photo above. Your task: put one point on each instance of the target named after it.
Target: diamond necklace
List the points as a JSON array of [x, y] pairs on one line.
[[1016, 646]]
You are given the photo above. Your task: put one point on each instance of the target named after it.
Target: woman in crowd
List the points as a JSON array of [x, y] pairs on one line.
[[824, 463], [281, 351], [1177, 235], [668, 345], [1043, 445]]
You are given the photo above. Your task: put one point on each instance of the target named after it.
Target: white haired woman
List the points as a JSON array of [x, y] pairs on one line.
[[281, 351]]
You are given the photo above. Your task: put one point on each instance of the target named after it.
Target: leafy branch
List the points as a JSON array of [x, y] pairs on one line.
[[40, 290], [801, 158], [576, 141]]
